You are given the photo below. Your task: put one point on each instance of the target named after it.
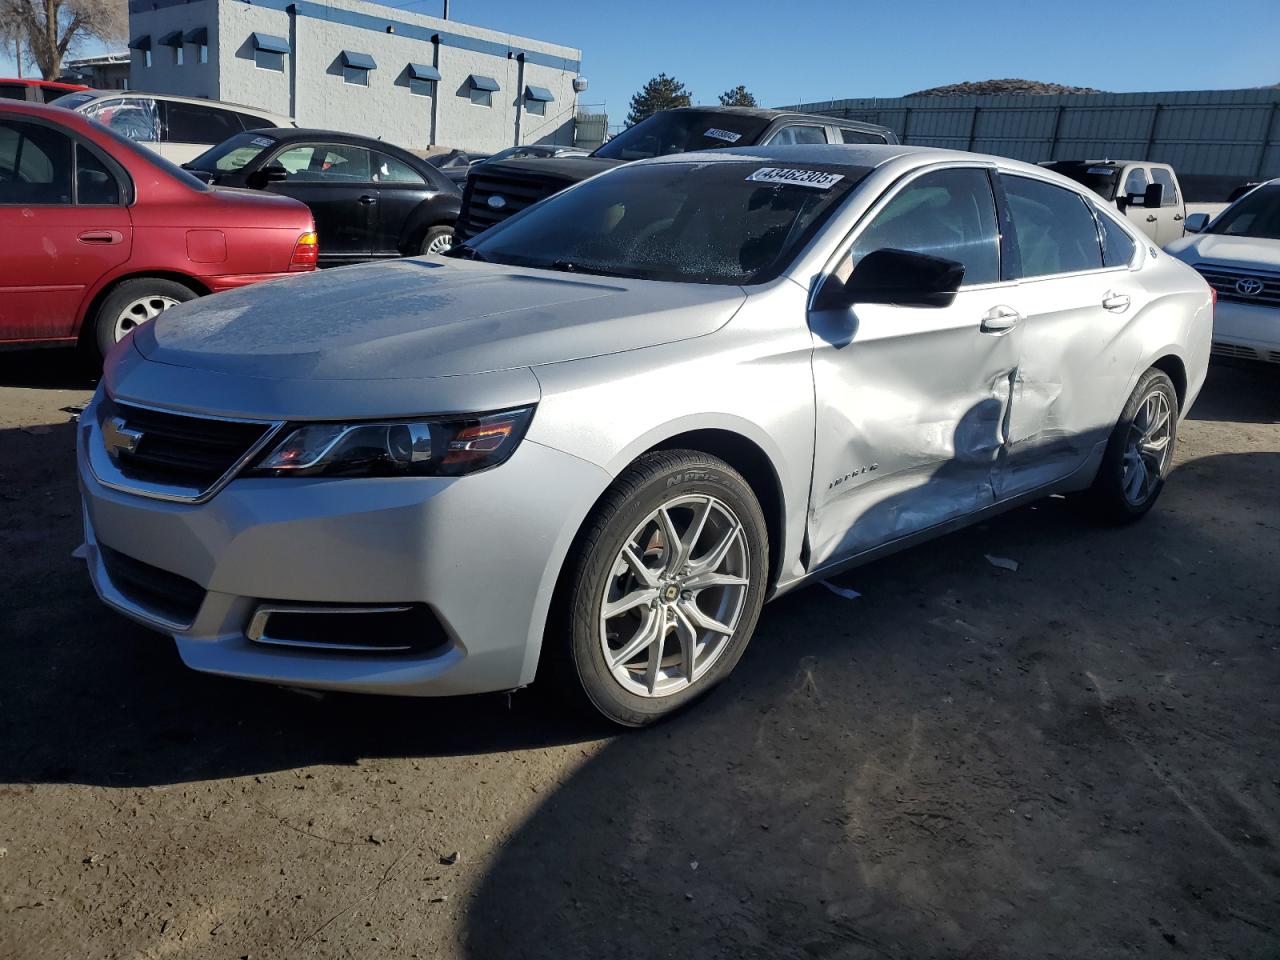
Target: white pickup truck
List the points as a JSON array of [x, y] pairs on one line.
[[1147, 193]]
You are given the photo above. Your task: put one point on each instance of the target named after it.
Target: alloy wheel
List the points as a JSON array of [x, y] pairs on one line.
[[1148, 448], [440, 244], [140, 311], [674, 596]]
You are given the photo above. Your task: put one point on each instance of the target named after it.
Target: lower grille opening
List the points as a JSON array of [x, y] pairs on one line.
[[158, 592], [384, 628]]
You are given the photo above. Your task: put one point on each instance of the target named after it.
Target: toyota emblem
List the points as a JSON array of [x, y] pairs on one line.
[[497, 201], [1249, 287]]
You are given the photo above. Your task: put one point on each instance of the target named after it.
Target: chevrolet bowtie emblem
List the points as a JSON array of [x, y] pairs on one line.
[[117, 437]]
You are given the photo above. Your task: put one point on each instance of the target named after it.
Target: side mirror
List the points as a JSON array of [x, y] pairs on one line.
[[897, 277], [271, 173], [1153, 196], [1196, 223]]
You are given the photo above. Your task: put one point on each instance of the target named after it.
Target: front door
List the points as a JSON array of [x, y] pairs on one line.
[[912, 402], [1075, 299], [336, 181], [53, 248]]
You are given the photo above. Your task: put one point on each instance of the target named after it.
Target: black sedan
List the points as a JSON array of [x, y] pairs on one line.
[[371, 200]]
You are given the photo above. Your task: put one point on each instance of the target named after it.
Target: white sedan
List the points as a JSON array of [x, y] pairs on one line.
[[1239, 254]]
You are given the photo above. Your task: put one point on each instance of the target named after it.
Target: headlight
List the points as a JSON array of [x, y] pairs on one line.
[[443, 447]]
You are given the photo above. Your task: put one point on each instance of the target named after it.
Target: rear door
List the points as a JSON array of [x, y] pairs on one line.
[[54, 248], [400, 191], [1074, 302], [911, 402], [192, 128], [336, 181]]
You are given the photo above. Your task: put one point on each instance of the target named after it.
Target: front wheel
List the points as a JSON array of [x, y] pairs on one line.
[[1139, 452], [666, 587], [437, 240]]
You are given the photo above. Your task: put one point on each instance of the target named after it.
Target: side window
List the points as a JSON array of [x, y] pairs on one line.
[[95, 184], [254, 123], [1117, 245], [13, 91], [35, 165], [948, 213], [1054, 229], [326, 163], [857, 136], [390, 170], [1135, 184], [1162, 176], [135, 118], [196, 123], [797, 134]]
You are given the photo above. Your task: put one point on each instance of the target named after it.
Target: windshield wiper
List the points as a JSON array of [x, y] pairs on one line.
[[568, 266]]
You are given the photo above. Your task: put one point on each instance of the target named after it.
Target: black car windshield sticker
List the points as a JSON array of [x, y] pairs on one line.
[[728, 136], [817, 179]]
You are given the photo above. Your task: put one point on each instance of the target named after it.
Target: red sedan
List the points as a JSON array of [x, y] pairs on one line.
[[99, 234]]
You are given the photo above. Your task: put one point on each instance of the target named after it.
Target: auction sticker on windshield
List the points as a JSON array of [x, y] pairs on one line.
[[817, 179], [728, 136]]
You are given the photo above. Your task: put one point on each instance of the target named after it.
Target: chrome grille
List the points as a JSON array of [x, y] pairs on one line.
[[1225, 279], [170, 455]]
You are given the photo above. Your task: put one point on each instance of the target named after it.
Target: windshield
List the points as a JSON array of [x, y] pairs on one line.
[[1099, 178], [70, 101], [232, 154], [728, 223], [1256, 214], [679, 131]]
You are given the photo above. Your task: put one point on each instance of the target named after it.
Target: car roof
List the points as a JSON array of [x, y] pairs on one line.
[[51, 84], [58, 114], [766, 113], [857, 155], [173, 98]]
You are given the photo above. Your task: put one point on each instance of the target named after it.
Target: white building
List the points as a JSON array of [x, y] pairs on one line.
[[360, 67]]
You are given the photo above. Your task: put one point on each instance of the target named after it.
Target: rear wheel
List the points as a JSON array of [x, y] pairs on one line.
[[436, 240], [1140, 451], [132, 304], [665, 589]]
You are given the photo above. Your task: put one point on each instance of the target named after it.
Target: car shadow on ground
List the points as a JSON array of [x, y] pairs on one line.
[[61, 368]]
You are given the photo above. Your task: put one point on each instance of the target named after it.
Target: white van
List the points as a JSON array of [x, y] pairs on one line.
[[177, 128]]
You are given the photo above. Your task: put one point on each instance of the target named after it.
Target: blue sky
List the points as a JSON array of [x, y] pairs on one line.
[[805, 51]]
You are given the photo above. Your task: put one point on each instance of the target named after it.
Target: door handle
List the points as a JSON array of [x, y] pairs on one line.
[[100, 236], [1151, 218], [368, 201], [1177, 216], [1115, 302], [1000, 320]]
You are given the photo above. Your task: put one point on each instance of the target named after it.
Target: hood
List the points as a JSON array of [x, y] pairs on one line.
[[567, 169], [422, 318], [1246, 252]]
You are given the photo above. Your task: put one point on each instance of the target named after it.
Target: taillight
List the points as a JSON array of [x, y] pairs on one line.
[[1213, 298], [305, 253]]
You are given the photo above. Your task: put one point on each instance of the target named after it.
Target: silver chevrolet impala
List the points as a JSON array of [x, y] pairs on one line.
[[588, 446]]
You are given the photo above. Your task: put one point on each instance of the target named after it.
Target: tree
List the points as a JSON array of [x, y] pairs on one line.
[[660, 93], [49, 28], [739, 96]]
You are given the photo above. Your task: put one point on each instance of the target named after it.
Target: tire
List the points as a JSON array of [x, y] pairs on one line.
[[132, 303], [433, 240], [684, 485], [1129, 481]]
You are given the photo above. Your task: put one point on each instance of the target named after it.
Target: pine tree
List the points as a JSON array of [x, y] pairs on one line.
[[739, 96], [660, 93]]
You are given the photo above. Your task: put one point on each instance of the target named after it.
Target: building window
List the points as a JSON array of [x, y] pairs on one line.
[[269, 51], [422, 79], [179, 56], [422, 88], [203, 53], [481, 89], [536, 100], [269, 60], [146, 58], [356, 67], [355, 75], [535, 108]]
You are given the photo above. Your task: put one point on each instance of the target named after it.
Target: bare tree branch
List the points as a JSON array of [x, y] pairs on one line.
[[50, 28]]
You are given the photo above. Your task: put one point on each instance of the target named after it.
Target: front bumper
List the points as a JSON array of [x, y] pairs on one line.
[[1246, 332], [483, 552]]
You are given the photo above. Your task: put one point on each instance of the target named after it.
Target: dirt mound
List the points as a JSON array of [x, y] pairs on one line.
[[1032, 88]]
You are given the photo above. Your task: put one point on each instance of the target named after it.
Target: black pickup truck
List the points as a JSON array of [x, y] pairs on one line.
[[495, 191]]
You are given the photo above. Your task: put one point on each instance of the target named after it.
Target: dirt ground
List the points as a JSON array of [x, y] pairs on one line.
[[1079, 759]]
